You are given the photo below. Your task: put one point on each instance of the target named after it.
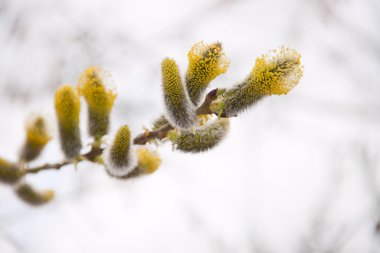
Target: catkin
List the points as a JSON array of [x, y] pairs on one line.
[[100, 99], [203, 138], [180, 111], [67, 107], [206, 62], [274, 73], [33, 197], [37, 136], [9, 172], [120, 160]]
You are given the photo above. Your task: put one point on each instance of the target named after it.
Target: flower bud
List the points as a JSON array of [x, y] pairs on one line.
[[203, 138], [181, 112], [9, 172], [33, 197], [206, 62], [37, 136], [67, 108], [119, 158], [100, 99]]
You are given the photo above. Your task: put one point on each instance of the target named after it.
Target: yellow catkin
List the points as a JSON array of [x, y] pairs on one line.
[[37, 136], [180, 110], [120, 161], [274, 73], [9, 172], [67, 108], [206, 62], [203, 138], [148, 161], [100, 99], [33, 197]]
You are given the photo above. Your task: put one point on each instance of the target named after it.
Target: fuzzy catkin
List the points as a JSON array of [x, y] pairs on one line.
[[148, 163], [33, 197], [67, 107], [37, 136], [9, 172], [180, 111], [119, 157], [274, 73], [237, 100], [203, 138], [206, 62], [100, 99]]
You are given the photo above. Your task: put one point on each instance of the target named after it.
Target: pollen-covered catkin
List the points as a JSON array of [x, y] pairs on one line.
[[100, 99], [180, 110], [67, 108], [148, 163], [9, 172], [203, 138], [206, 62], [33, 197], [37, 136], [274, 73], [119, 157]]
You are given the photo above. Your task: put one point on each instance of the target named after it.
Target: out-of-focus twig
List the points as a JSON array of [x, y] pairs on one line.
[[89, 156]]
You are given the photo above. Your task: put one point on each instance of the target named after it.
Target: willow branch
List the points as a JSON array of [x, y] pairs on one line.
[[162, 132], [48, 166], [141, 139], [89, 156]]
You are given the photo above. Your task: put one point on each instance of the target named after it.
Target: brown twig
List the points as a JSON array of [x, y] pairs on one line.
[[48, 166], [89, 156], [205, 106], [160, 133]]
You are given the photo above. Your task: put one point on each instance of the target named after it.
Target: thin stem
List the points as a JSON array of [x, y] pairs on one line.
[[91, 156], [160, 133], [48, 166]]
